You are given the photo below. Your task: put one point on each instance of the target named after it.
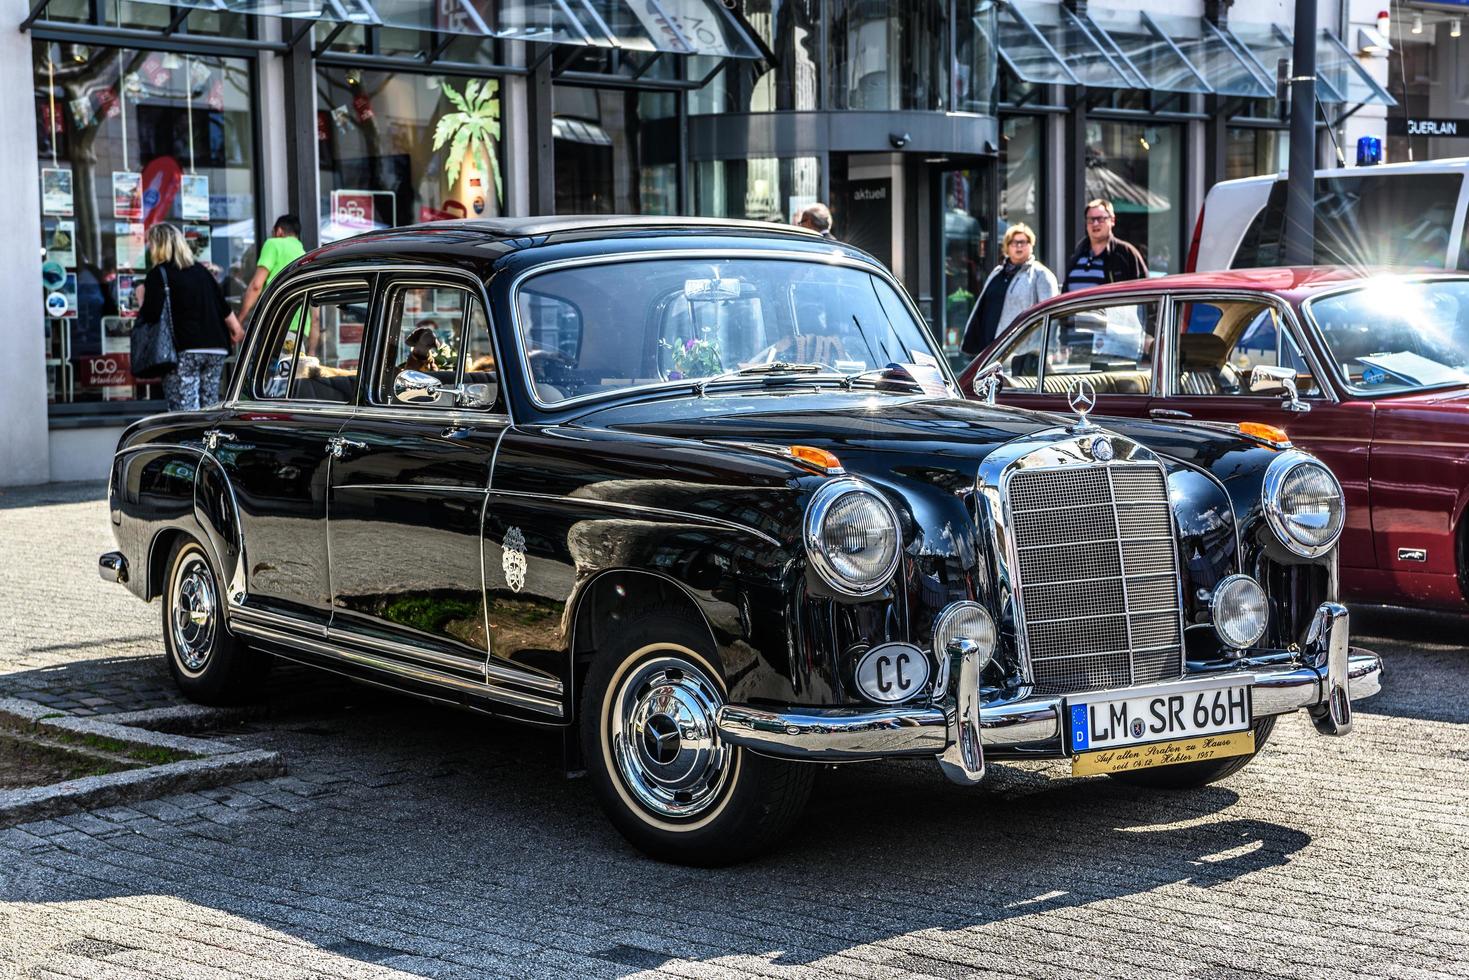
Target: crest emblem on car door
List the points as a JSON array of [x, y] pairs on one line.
[[512, 559]]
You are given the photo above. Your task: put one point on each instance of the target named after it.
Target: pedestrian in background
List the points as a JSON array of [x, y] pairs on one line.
[[1014, 286], [817, 218], [279, 250], [1101, 256], [203, 325]]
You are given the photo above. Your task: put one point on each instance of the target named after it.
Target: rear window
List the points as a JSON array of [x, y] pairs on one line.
[[1374, 219]]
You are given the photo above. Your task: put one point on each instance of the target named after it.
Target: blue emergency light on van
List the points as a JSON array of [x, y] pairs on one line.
[[1369, 151]]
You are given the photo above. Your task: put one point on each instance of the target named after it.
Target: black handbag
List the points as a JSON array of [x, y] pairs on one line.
[[152, 354]]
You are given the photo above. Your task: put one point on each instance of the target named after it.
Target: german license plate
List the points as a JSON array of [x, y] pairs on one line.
[[1110, 720]]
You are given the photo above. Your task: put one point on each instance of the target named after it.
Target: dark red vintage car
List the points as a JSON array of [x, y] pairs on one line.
[[1368, 372]]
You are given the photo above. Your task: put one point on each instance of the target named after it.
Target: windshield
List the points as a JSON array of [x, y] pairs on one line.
[[593, 329], [1392, 335]]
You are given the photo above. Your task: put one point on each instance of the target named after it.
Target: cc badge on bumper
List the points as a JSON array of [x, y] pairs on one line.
[[961, 729]]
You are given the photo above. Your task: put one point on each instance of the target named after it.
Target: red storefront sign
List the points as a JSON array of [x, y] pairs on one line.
[[100, 370]]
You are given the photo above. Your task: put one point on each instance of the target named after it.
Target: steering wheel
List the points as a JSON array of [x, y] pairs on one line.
[[551, 367]]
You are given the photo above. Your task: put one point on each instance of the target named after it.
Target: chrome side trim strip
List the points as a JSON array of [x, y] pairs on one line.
[[274, 620], [432, 487], [492, 673], [641, 509], [407, 671]]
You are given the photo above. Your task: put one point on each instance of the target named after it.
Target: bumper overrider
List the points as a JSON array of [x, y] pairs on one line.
[[1325, 677]]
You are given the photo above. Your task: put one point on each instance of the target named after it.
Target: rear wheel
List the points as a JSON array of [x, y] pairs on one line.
[[1192, 775], [209, 664], [662, 774]]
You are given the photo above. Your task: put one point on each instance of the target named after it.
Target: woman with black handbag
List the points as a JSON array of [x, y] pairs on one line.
[[180, 295]]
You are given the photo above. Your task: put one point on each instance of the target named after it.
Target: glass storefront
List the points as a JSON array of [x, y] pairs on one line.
[[1250, 152], [129, 138], [1139, 168], [376, 134], [1432, 55], [760, 188], [890, 55], [792, 31], [1022, 172], [968, 253], [616, 151]]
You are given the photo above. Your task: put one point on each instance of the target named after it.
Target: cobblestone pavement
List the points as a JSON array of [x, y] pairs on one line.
[[409, 841]]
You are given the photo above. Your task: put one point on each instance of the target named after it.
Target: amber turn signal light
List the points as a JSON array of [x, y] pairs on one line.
[[1272, 434], [819, 458]]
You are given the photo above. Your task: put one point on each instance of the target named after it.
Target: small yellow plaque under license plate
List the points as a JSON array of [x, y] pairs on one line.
[[1197, 748]]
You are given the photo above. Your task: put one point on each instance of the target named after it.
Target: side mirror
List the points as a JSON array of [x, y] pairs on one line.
[[1268, 379], [987, 382], [416, 387]]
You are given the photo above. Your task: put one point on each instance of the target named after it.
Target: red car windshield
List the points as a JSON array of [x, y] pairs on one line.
[[1394, 335]]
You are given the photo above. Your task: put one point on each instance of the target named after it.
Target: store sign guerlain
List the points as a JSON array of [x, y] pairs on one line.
[[1399, 126]]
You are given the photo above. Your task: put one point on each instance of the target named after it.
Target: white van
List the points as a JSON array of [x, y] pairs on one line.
[[1401, 214]]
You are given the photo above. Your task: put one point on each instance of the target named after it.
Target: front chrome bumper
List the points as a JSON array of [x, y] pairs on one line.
[[1325, 678]]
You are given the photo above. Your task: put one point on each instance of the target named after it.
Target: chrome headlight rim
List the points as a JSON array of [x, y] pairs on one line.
[[1222, 589], [822, 502], [1281, 467]]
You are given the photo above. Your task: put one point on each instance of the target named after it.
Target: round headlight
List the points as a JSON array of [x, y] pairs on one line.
[[852, 537], [964, 621], [1240, 611], [1303, 503]]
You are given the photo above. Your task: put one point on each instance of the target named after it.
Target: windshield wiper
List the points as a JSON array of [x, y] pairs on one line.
[[890, 374], [754, 370]]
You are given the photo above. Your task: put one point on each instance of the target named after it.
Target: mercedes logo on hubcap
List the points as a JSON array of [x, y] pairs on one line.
[[660, 739]]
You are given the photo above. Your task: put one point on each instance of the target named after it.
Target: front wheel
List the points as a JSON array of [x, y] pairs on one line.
[[666, 780], [1192, 775], [209, 663]]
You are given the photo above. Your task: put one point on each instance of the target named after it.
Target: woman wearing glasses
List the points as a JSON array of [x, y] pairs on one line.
[[1013, 286]]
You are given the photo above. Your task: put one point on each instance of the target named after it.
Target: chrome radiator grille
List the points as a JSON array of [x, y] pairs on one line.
[[1097, 575]]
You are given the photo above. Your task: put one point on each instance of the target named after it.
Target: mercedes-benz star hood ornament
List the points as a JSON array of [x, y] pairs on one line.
[[1082, 397]]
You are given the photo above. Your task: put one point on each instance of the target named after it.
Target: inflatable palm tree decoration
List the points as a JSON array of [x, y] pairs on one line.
[[470, 132]]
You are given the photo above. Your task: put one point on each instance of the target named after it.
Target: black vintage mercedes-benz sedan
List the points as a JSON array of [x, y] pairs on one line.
[[702, 499]]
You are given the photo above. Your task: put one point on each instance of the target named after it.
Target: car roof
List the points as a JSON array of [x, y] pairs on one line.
[[541, 225], [1436, 166], [1292, 282]]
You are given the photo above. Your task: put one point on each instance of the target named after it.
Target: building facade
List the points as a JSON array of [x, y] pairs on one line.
[[928, 126]]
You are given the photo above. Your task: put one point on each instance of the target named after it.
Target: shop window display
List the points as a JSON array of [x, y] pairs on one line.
[[616, 151], [1139, 168], [397, 149], [129, 138]]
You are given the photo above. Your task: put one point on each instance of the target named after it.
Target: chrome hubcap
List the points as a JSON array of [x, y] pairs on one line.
[[193, 613], [664, 741]]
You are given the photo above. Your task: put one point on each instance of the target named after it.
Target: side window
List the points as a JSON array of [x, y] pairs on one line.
[[441, 332], [1220, 342], [1020, 363], [318, 345], [1110, 346]]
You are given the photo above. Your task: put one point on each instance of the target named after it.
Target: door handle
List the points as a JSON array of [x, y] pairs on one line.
[[338, 446], [1168, 413], [456, 431], [213, 437]]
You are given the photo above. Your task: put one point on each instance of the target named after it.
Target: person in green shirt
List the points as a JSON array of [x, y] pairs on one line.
[[281, 249]]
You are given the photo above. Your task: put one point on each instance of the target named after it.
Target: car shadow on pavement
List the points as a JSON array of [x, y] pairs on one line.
[[419, 834]]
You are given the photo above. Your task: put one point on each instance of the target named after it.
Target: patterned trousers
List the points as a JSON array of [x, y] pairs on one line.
[[194, 383]]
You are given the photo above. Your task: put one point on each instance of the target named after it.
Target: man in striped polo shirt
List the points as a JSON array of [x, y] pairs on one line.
[[1100, 256]]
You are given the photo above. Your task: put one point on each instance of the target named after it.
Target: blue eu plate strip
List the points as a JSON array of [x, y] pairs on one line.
[[1081, 737]]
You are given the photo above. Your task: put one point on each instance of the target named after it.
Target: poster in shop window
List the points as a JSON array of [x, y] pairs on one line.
[[60, 241], [127, 293], [111, 370], [198, 237], [127, 194], [194, 197], [130, 245], [56, 191]]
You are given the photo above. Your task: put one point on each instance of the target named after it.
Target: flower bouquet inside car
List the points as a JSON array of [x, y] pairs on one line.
[[694, 357]]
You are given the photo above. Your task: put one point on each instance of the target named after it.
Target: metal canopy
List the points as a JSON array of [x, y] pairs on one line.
[[1048, 44], [687, 27]]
